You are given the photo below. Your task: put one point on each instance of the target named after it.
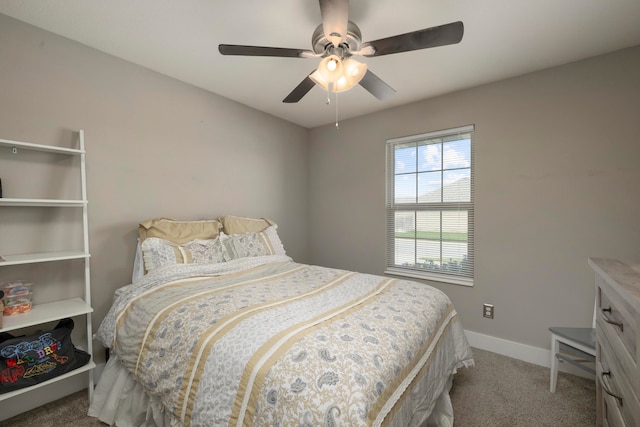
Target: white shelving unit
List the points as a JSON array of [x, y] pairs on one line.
[[51, 311]]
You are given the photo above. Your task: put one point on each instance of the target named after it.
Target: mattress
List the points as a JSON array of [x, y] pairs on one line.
[[265, 341]]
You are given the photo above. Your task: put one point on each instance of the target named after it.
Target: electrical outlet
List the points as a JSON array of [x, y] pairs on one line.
[[487, 311]]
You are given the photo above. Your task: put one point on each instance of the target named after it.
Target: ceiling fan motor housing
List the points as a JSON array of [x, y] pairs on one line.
[[323, 47]]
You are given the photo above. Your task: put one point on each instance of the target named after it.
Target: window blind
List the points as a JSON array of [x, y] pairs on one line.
[[430, 205]]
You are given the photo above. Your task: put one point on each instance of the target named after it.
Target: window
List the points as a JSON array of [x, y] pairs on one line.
[[430, 206]]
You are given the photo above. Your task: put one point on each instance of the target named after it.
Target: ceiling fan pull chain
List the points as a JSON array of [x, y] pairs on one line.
[[329, 86], [337, 127]]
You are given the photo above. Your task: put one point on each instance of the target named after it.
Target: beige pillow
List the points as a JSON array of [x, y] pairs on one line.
[[179, 231], [240, 225]]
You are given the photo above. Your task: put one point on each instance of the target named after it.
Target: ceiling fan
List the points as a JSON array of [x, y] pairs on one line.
[[337, 39]]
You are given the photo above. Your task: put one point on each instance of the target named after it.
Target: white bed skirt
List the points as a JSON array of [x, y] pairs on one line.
[[121, 401]]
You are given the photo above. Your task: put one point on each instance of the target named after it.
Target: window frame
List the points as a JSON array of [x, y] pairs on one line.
[[392, 208]]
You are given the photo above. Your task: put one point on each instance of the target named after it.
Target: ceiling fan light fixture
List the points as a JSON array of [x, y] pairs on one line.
[[350, 75], [331, 68], [317, 78], [354, 71]]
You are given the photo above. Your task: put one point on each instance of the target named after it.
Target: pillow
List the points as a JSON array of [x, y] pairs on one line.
[[179, 231], [241, 225], [158, 252], [138, 264], [253, 244]]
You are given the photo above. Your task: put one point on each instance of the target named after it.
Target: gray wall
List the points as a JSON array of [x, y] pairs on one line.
[[557, 175], [155, 147]]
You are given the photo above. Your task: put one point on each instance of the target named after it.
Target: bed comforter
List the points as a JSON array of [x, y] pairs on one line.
[[266, 341]]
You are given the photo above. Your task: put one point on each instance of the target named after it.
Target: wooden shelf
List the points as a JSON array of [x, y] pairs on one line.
[[47, 312], [40, 147], [42, 257], [42, 202], [85, 368]]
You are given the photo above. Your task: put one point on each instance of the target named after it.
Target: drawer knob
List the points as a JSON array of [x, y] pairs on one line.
[[606, 388], [608, 320]]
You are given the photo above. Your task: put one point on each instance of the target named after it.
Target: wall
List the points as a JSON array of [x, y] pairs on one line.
[[557, 173], [155, 147]]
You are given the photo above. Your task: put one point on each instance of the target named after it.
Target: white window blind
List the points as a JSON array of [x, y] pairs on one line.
[[430, 206]]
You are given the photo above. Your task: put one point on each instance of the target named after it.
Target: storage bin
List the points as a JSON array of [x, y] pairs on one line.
[[17, 304], [16, 287]]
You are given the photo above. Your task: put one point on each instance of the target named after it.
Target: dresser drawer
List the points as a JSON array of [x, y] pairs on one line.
[[619, 322], [611, 413], [619, 317], [620, 403], [617, 342]]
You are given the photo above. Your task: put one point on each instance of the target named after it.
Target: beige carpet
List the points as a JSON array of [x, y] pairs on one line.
[[505, 392], [498, 391]]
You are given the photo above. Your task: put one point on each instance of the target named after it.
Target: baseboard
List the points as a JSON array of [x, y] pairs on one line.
[[515, 350], [527, 353]]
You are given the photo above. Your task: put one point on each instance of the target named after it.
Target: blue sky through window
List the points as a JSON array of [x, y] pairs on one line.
[[422, 170]]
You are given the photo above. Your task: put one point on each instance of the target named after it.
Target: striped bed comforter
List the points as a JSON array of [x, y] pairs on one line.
[[266, 341]]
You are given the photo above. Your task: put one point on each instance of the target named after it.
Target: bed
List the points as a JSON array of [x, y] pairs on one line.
[[221, 328]]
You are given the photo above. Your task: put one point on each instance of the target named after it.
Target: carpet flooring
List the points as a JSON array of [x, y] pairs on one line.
[[505, 392], [498, 391]]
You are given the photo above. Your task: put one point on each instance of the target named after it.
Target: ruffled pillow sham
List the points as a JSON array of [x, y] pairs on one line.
[[252, 244], [157, 252]]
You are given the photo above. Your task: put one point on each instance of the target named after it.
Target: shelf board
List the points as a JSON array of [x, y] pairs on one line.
[[42, 202], [47, 312], [42, 257], [40, 147], [85, 368]]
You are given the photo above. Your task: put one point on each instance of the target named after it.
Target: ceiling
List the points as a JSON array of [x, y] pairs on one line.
[[179, 38]]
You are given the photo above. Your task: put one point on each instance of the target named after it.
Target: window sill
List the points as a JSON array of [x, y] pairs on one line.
[[443, 278]]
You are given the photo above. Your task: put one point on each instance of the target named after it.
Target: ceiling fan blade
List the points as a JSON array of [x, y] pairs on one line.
[[421, 39], [234, 49], [335, 18], [376, 86], [301, 90]]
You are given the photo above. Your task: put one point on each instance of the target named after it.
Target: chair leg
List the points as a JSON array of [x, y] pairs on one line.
[[555, 348]]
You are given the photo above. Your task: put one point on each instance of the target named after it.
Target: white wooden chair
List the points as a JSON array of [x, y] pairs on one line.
[[576, 346]]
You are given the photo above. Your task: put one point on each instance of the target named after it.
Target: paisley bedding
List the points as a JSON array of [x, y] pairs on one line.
[[265, 341]]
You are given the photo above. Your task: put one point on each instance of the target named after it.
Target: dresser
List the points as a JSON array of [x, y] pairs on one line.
[[617, 342]]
